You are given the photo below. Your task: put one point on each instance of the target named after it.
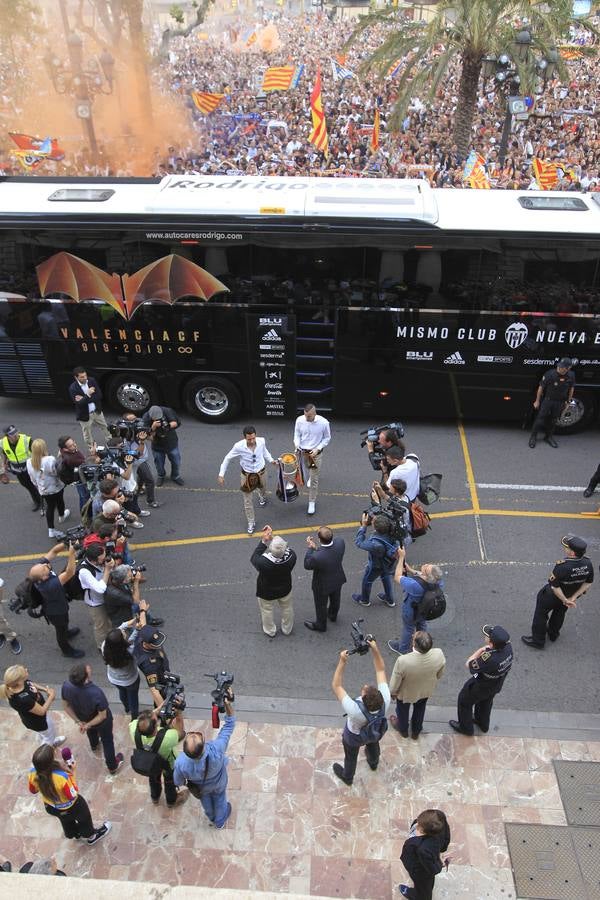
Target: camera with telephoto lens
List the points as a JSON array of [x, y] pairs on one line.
[[72, 535], [221, 692], [359, 639], [138, 567], [163, 428], [372, 435], [127, 430], [174, 695]]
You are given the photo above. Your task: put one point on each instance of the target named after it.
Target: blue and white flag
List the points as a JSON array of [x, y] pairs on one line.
[[340, 72]]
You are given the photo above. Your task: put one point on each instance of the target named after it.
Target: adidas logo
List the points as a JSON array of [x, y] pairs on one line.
[[455, 359], [271, 335]]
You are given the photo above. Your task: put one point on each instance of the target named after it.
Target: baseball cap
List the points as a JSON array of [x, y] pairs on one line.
[[496, 633], [10, 430], [564, 363], [150, 635], [155, 412], [572, 542]]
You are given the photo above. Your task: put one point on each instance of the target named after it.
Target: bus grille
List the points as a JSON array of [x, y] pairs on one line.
[[23, 370]]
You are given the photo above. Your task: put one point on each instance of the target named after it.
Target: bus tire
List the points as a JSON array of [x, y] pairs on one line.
[[579, 415], [212, 399], [131, 393]]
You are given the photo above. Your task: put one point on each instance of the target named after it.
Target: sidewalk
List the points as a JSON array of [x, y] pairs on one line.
[[295, 829]]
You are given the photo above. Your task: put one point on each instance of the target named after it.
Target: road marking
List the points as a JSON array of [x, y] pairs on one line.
[[472, 489], [532, 487], [216, 538]]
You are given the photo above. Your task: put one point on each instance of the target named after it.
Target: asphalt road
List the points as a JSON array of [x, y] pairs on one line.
[[496, 544]]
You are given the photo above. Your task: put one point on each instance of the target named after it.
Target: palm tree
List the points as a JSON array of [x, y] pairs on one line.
[[468, 31]]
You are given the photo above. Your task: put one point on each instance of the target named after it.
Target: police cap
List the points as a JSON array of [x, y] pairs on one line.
[[152, 637], [496, 633], [564, 363], [574, 543]]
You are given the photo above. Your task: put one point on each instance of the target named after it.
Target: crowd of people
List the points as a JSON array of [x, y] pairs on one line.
[[257, 133]]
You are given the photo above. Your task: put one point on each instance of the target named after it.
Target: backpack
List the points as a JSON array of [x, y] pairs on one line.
[[73, 588], [429, 485], [147, 761], [390, 557], [419, 518], [65, 472], [376, 726], [30, 597], [432, 604]]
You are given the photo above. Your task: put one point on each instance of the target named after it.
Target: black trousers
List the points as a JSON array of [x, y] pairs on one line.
[[326, 605], [24, 479], [372, 752], [146, 478], [54, 502], [61, 627], [548, 617], [165, 776], [594, 480], [423, 887], [475, 702], [76, 821], [548, 413]]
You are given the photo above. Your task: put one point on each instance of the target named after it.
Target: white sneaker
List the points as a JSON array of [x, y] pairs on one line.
[[144, 512], [59, 740], [52, 532], [65, 515], [135, 524], [311, 508], [308, 483], [251, 527]]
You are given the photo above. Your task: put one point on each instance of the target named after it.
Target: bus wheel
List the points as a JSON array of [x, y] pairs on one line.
[[578, 415], [131, 393], [212, 399]]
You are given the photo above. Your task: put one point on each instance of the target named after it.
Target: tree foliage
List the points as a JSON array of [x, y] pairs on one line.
[[467, 31], [176, 14]]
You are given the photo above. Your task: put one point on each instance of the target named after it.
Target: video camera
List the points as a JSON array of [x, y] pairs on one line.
[[224, 681], [128, 430], [394, 515], [72, 535], [372, 436], [163, 429], [359, 639], [174, 698], [92, 473], [115, 455]]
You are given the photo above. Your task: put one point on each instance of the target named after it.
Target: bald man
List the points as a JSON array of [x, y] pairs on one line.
[[55, 605]]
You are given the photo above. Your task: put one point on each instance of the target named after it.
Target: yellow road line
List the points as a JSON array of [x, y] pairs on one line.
[[468, 468], [216, 538]]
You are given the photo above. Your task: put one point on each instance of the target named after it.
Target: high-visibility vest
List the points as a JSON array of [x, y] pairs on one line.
[[18, 454]]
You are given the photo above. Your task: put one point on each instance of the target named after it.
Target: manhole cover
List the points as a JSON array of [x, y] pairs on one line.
[[579, 786], [544, 862]]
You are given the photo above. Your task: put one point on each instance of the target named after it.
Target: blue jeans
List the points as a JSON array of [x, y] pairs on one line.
[[129, 698], [411, 623], [371, 573], [214, 804], [174, 458], [84, 494]]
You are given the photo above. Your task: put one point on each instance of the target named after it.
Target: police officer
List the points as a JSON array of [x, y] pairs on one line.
[[569, 580], [151, 660], [488, 666], [554, 393], [15, 450]]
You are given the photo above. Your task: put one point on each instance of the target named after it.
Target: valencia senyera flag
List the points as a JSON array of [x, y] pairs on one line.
[[205, 102], [318, 135]]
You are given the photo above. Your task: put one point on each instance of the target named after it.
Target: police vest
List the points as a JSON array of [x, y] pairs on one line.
[[18, 454]]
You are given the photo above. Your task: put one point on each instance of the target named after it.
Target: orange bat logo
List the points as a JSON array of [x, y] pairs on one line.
[[163, 281]]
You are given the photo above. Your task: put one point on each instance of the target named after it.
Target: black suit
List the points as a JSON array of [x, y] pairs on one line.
[[82, 412], [328, 578]]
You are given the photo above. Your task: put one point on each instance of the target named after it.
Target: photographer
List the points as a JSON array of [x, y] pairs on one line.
[[405, 468], [152, 661], [110, 489], [7, 633], [366, 721], [55, 606], [121, 670], [146, 733], [136, 442], [67, 467], [204, 767], [414, 582], [383, 553], [27, 699], [396, 505], [112, 540], [122, 597], [377, 450], [162, 423], [112, 515], [94, 573]]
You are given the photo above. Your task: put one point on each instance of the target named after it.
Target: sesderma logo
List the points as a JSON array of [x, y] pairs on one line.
[[271, 335], [455, 359]]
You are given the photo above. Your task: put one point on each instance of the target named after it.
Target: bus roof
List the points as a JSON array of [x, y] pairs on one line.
[[390, 199]]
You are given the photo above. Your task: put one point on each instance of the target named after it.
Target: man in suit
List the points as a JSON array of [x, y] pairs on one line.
[[414, 679], [325, 562], [87, 397]]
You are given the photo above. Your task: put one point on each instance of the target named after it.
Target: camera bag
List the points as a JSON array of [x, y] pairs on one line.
[[432, 604], [147, 760]]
